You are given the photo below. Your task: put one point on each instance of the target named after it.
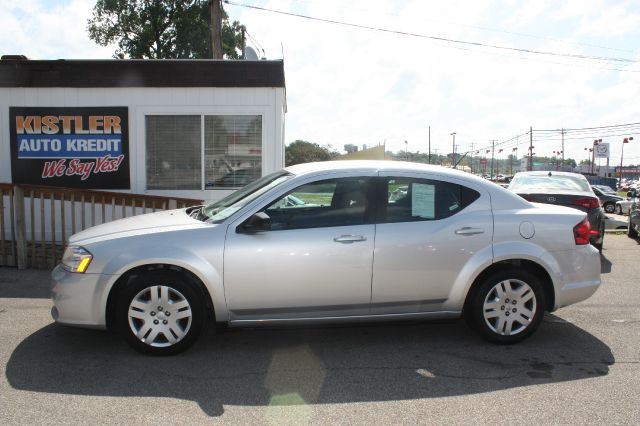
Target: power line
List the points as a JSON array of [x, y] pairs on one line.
[[497, 30], [449, 40], [589, 128]]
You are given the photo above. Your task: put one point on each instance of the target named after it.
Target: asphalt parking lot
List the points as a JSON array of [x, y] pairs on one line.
[[581, 367]]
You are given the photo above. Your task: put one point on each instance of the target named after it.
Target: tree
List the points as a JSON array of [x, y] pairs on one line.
[[161, 29], [306, 152]]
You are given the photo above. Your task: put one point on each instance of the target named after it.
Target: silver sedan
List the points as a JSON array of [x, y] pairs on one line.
[[364, 241]]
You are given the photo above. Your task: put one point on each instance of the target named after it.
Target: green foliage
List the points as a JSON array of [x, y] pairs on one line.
[[306, 152], [160, 29]]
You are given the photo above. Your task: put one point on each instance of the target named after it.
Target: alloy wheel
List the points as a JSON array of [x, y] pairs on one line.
[[160, 316], [510, 307]]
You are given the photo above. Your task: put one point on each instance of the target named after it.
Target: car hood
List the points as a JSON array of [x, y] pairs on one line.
[[170, 220]]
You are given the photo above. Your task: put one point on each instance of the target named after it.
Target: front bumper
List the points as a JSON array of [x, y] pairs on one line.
[[78, 299]]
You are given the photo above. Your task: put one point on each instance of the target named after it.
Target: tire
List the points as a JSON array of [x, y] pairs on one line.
[[609, 207], [619, 208], [493, 305], [631, 231], [160, 313]]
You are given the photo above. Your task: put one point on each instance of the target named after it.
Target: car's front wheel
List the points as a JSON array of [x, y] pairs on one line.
[[609, 207], [619, 209], [508, 306], [160, 313]]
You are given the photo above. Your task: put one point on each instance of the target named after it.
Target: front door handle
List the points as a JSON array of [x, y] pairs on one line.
[[348, 239], [467, 230]]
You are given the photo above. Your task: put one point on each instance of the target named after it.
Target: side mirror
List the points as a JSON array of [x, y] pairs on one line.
[[256, 223]]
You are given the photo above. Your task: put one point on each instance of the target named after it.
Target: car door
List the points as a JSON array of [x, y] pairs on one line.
[[426, 233], [314, 262]]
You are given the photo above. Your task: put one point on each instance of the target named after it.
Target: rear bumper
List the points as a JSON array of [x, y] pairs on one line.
[[579, 277]]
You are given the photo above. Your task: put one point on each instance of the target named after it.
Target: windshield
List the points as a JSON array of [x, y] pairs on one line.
[[550, 183], [220, 210]]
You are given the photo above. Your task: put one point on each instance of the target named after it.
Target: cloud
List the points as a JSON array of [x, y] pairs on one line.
[[44, 30], [350, 85]]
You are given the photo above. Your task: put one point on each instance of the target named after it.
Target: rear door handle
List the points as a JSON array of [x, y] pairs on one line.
[[467, 230], [348, 239]]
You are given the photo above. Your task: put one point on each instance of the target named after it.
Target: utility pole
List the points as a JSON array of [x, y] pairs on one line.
[[243, 30], [471, 159], [429, 144], [493, 149], [216, 29], [453, 155], [563, 132], [530, 165]]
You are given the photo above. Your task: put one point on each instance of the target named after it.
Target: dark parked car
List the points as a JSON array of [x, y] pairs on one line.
[[565, 189], [634, 215], [608, 197]]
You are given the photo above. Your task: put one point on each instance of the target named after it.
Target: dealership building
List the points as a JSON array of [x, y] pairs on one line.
[[184, 128]]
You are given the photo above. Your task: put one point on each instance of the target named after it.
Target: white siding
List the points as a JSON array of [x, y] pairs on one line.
[[268, 102]]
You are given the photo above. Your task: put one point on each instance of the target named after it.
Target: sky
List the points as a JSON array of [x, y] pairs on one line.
[[349, 85]]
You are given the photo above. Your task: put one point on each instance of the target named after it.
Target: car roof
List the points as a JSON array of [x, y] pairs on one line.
[[377, 165]]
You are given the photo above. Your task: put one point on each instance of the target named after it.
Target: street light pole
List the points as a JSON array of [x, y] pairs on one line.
[[406, 150], [625, 140], [593, 155], [453, 155]]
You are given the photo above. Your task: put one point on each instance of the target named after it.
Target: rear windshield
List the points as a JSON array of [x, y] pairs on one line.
[[547, 183]]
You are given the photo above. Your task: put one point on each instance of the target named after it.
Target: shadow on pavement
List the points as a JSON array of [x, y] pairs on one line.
[[307, 365], [605, 264], [26, 283]]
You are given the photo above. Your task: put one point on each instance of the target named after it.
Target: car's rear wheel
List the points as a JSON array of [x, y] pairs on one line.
[[508, 306], [160, 313], [609, 207]]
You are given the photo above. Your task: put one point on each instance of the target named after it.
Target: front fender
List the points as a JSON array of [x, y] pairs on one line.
[[203, 258]]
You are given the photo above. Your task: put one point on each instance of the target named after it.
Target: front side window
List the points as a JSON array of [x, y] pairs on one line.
[[411, 199], [326, 203]]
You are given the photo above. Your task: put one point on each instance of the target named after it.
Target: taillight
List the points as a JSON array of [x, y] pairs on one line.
[[587, 203], [581, 232]]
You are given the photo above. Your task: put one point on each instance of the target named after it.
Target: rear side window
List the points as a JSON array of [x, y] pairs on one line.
[[410, 199]]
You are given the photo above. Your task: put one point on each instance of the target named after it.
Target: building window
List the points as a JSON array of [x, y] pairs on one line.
[[232, 147], [173, 152], [232, 150]]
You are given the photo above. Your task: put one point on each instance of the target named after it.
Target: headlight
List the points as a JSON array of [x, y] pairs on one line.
[[76, 259]]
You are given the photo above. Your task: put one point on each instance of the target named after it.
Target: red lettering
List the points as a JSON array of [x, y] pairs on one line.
[[108, 164], [78, 168], [53, 168]]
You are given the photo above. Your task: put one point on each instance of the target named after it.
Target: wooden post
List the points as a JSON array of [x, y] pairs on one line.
[[21, 239], [216, 28]]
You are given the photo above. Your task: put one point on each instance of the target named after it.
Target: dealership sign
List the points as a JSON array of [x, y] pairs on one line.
[[602, 150], [79, 147]]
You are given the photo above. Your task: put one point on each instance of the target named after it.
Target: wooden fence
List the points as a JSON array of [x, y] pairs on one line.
[[35, 221]]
